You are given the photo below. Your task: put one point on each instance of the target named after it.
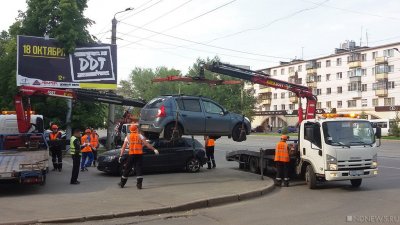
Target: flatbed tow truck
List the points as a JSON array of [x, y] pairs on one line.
[[333, 147]]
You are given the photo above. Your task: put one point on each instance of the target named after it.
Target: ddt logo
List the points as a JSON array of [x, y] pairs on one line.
[[92, 64]]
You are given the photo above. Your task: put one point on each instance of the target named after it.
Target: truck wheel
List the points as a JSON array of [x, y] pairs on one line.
[[169, 129], [253, 165], [237, 134], [311, 178], [356, 182]]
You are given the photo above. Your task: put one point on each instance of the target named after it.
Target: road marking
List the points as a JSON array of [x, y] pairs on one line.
[[389, 167]]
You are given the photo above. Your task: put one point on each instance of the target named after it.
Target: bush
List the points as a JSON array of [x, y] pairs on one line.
[[285, 130]]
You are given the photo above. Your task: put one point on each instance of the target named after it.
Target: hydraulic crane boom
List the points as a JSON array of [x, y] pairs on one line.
[[264, 79], [24, 115]]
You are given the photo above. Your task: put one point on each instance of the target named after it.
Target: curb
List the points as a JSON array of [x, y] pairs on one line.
[[203, 203]]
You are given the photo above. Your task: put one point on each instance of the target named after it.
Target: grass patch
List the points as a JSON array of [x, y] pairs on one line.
[[275, 134], [390, 138]]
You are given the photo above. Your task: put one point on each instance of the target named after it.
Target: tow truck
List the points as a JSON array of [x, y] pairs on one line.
[[333, 147], [24, 152]]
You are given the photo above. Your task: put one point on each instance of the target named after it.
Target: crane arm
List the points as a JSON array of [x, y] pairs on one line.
[[265, 79]]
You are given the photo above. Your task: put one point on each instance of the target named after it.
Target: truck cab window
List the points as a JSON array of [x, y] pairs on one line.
[[312, 133]]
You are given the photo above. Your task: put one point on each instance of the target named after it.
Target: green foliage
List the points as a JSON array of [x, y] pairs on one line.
[[394, 127], [60, 19], [232, 97], [285, 130], [363, 115]]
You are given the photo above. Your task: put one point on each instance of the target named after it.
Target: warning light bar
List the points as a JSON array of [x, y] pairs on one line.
[[335, 115], [13, 112]]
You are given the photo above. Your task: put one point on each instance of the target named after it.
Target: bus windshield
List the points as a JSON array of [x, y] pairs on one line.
[[348, 133]]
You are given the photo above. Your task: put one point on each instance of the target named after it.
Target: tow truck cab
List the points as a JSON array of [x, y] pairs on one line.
[[337, 149]]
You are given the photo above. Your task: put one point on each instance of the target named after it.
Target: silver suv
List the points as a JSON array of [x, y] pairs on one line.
[[191, 115]]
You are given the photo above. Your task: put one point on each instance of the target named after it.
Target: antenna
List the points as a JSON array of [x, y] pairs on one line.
[[361, 36], [366, 36], [302, 52]]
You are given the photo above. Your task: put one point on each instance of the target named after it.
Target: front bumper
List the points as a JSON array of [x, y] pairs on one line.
[[350, 174]]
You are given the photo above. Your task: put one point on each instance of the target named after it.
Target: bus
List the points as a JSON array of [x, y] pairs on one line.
[[384, 124]]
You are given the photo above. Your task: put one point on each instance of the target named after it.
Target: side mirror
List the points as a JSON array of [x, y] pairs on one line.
[[226, 112], [378, 132]]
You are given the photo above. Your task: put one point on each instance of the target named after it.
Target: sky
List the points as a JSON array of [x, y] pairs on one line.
[[255, 33]]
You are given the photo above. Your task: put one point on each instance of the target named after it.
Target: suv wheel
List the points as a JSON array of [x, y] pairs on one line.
[[193, 165], [237, 134], [169, 130]]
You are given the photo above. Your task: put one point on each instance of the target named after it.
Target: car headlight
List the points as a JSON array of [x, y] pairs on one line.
[[246, 118], [374, 163], [331, 162], [109, 158]]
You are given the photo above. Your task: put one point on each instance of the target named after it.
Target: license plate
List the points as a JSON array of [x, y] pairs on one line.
[[145, 126], [356, 172]]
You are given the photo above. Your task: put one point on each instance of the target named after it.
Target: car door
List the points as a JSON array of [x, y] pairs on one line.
[[191, 115], [217, 121]]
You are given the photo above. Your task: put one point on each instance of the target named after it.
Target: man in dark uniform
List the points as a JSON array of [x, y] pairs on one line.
[[75, 150]]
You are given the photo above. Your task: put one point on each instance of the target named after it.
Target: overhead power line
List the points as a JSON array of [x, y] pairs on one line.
[[184, 22], [161, 16], [140, 11]]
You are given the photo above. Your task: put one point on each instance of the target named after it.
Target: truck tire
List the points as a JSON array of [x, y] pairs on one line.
[[356, 182], [311, 178], [254, 165]]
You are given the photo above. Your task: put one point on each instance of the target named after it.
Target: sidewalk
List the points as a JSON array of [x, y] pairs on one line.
[[162, 193]]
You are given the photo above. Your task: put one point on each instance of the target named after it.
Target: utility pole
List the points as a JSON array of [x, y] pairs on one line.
[[111, 107]]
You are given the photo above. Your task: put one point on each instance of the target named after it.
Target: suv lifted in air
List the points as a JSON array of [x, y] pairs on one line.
[[193, 115]]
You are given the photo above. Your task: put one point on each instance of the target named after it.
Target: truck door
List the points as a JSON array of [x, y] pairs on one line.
[[311, 146]]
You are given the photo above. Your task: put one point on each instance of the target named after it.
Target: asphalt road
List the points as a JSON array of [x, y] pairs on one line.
[[377, 201]]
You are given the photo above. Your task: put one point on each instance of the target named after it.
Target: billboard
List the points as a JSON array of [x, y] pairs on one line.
[[43, 63]]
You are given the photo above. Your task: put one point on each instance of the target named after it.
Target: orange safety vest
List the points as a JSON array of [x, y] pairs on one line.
[[281, 152], [135, 144], [210, 142], [84, 140], [53, 136], [94, 141]]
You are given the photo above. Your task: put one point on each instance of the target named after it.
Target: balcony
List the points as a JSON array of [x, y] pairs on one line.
[[381, 60], [293, 99], [265, 90], [354, 94], [354, 64], [355, 78], [381, 92], [381, 76], [292, 74], [312, 84], [266, 101], [312, 71]]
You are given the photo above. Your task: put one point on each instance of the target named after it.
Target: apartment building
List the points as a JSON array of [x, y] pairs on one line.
[[352, 80]]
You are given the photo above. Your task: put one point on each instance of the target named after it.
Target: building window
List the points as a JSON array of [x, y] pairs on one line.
[[388, 101], [391, 68], [363, 57], [275, 72], [319, 78], [291, 69], [388, 52], [375, 102], [374, 55], [275, 95], [352, 103], [282, 71], [299, 81], [339, 90], [328, 104], [363, 87], [318, 64], [275, 107], [338, 61], [319, 105], [373, 70], [339, 104], [390, 84], [328, 63], [339, 76], [328, 91], [291, 106], [364, 102], [300, 68], [283, 106], [319, 92], [283, 95], [328, 77]]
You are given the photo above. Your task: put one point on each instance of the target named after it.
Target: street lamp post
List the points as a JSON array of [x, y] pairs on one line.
[[111, 107]]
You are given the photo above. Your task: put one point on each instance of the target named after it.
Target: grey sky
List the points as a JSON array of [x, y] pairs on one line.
[[261, 28]]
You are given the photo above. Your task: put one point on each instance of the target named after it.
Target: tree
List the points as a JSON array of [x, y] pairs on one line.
[[60, 19], [394, 126]]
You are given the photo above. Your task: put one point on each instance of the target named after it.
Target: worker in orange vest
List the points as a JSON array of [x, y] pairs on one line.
[[94, 143], [134, 141], [86, 151], [210, 145], [55, 147], [282, 162]]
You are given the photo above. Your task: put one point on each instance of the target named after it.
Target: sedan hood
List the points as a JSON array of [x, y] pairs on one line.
[[113, 152]]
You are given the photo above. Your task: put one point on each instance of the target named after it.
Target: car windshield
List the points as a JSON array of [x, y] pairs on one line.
[[348, 133]]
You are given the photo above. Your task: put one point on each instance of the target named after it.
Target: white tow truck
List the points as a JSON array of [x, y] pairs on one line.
[[336, 147]]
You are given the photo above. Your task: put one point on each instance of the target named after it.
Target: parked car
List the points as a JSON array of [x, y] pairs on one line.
[[290, 129], [184, 153], [192, 115]]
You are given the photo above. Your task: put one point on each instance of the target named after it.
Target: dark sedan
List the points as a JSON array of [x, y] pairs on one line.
[[184, 153]]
